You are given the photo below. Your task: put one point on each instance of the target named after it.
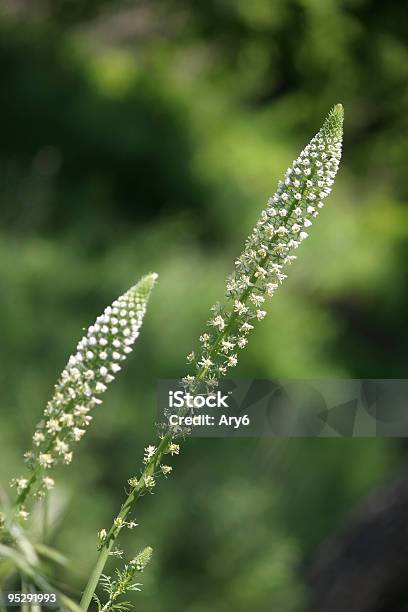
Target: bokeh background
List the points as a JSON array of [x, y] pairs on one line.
[[139, 136]]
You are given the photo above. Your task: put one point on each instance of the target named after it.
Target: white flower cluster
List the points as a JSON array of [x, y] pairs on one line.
[[89, 371], [260, 269], [148, 479]]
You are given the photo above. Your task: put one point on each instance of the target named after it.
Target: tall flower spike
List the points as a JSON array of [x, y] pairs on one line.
[[260, 269], [94, 365]]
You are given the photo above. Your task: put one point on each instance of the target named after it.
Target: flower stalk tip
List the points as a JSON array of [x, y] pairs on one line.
[[261, 268], [142, 559], [98, 359]]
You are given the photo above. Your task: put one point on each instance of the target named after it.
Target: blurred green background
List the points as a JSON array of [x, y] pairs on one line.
[[140, 136]]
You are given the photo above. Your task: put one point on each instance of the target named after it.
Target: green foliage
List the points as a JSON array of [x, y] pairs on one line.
[[93, 159]]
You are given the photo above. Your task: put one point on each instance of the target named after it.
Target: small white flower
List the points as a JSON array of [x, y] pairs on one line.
[[80, 410], [244, 281], [149, 481], [148, 453], [242, 342], [257, 300], [61, 447], [23, 514], [227, 346], [166, 469], [240, 308], [206, 363], [100, 387], [77, 433], [270, 288], [67, 458], [260, 272], [45, 460], [188, 380], [282, 231], [38, 438], [48, 482], [102, 535], [269, 232], [53, 426], [19, 483], [67, 419], [218, 322], [174, 449]]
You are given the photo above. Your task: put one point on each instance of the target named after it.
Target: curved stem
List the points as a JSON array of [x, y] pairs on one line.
[[114, 531], [45, 517]]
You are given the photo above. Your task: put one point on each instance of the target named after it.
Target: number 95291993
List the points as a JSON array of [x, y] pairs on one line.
[[15, 598]]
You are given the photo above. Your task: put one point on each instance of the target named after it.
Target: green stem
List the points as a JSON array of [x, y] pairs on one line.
[[114, 531], [45, 517], [25, 607]]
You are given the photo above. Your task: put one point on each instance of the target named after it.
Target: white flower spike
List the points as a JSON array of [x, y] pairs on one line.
[[259, 270], [86, 376]]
